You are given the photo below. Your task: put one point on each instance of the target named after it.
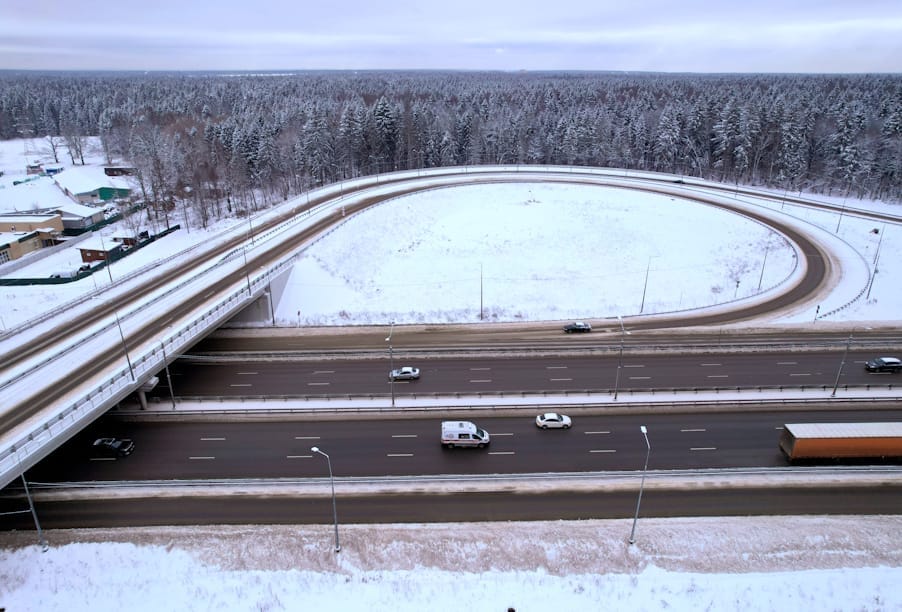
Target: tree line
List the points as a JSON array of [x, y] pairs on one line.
[[221, 145]]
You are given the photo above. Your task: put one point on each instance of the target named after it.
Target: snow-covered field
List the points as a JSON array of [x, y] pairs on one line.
[[514, 253]]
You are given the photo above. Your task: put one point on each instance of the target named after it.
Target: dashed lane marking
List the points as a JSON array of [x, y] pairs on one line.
[[404, 435], [212, 439], [399, 455], [201, 458], [603, 450], [589, 433], [703, 448], [241, 385], [480, 380], [306, 437], [299, 456], [501, 452], [690, 430]]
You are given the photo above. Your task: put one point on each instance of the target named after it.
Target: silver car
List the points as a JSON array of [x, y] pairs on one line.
[[405, 373], [553, 420]]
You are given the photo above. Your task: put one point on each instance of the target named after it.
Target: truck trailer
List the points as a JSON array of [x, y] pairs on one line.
[[812, 441]]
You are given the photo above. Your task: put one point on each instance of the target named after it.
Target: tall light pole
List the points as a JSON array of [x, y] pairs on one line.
[[644, 431], [842, 364], [623, 334], [391, 361], [334, 507], [645, 286], [125, 347]]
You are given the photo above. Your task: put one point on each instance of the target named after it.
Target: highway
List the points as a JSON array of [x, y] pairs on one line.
[[279, 451], [562, 372]]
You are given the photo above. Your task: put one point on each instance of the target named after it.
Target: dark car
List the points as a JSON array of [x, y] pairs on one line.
[[115, 447], [577, 327], [883, 364]]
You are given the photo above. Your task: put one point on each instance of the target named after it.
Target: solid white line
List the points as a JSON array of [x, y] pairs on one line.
[[596, 432], [201, 457], [404, 435], [703, 448], [211, 439], [306, 437], [299, 457], [684, 430], [607, 450], [399, 455], [502, 453]]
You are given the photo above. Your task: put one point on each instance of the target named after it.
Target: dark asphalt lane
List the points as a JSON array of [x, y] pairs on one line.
[[521, 374]]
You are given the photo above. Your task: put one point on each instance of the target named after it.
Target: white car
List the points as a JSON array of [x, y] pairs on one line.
[[553, 420], [405, 373]]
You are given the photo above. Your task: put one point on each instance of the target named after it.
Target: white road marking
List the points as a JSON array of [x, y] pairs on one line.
[[708, 365], [559, 379], [480, 369], [787, 363], [211, 439], [201, 458], [555, 367], [638, 365], [246, 373], [596, 432], [718, 375], [606, 450], [501, 453], [801, 374], [640, 377], [299, 457], [399, 455], [241, 385], [103, 458], [324, 371], [687, 430], [480, 380], [318, 384], [404, 435], [495, 435], [703, 448]]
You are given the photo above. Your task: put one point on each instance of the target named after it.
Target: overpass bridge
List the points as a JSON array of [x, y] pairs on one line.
[[64, 369]]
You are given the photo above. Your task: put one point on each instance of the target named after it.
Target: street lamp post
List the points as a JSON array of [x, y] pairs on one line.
[[645, 285], [125, 347], [644, 431], [391, 361], [842, 364], [623, 334], [334, 507]]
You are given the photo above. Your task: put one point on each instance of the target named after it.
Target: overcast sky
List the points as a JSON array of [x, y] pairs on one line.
[[646, 35]]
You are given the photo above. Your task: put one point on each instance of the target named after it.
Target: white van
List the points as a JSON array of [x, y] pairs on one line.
[[463, 433]]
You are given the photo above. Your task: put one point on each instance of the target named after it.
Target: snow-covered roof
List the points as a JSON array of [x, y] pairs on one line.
[[95, 243], [85, 179], [13, 218], [70, 208]]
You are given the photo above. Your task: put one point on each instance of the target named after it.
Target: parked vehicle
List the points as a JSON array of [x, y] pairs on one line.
[[577, 327], [553, 420], [405, 373], [883, 364], [813, 441], [463, 433], [118, 447]]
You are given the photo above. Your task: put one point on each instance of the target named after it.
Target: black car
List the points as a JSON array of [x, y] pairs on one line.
[[883, 364], [577, 327], [116, 447]]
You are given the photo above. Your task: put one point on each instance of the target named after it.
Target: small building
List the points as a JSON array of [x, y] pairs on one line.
[[34, 168], [78, 217], [91, 184], [14, 245], [98, 249], [31, 222]]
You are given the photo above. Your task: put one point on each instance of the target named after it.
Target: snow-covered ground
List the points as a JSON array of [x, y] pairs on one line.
[[513, 253], [747, 563]]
